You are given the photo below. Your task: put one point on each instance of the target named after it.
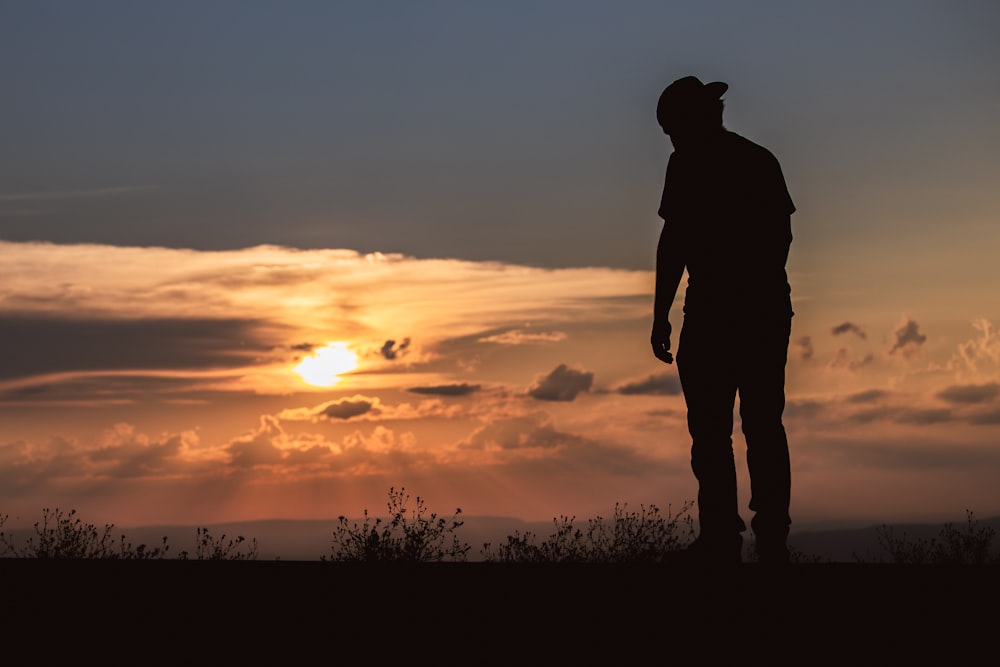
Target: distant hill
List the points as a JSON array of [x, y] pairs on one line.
[[854, 544]]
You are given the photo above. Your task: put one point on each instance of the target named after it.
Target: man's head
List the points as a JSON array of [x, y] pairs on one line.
[[689, 109]]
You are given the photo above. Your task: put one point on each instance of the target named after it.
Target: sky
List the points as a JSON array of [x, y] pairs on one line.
[[271, 259]]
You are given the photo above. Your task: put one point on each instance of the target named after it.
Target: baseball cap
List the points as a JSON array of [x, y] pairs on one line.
[[686, 93]]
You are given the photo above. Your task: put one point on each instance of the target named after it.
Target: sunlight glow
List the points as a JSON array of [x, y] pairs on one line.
[[324, 366]]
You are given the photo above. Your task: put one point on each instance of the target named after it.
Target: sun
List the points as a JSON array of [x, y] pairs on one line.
[[324, 366]]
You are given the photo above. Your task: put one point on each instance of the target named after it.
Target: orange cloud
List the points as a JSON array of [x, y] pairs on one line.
[[252, 312]]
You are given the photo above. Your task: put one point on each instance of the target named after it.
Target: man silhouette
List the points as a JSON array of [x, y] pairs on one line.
[[727, 220]]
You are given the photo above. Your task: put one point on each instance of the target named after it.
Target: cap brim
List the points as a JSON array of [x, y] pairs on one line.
[[716, 88]]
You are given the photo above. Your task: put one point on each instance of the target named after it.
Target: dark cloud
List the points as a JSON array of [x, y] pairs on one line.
[[390, 351], [907, 338], [880, 453], [666, 412], [562, 384], [902, 415], [100, 389], [533, 431], [988, 418], [843, 359], [805, 348], [848, 327], [40, 345], [346, 408], [553, 453], [970, 393], [803, 409], [662, 384], [135, 458], [462, 389], [869, 396], [879, 413], [924, 416]]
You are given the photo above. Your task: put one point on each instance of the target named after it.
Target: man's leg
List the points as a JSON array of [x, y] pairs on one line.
[[762, 401], [709, 386]]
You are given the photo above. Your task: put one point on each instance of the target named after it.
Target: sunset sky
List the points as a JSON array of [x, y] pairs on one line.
[[268, 259]]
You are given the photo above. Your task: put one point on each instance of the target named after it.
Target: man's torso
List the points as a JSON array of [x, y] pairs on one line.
[[731, 211]]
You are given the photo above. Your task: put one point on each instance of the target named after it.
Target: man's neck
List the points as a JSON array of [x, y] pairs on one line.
[[693, 143]]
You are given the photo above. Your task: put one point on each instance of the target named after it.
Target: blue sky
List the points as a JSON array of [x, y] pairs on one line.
[[516, 131]]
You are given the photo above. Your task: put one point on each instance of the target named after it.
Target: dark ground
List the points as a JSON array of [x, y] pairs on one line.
[[285, 613]]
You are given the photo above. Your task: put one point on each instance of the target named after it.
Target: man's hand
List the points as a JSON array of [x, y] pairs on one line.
[[660, 340]]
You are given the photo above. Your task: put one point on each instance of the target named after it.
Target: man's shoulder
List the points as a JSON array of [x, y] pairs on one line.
[[750, 149]]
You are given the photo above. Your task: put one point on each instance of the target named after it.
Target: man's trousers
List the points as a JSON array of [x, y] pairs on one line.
[[718, 359]]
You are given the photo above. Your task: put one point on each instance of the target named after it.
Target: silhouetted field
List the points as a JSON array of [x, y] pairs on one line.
[[142, 612]]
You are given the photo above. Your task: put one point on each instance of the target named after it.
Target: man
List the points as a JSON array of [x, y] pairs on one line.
[[727, 221]]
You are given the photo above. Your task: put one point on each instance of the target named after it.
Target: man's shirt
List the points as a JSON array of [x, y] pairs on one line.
[[727, 210]]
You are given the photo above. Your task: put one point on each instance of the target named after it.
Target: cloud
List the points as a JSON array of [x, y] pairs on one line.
[[970, 393], [102, 388], [340, 409], [878, 413], [662, 384], [977, 354], [271, 446], [531, 431], [868, 396], [805, 348], [803, 408], [988, 418], [924, 416], [903, 415], [519, 337], [50, 195], [390, 350], [532, 445], [843, 359], [838, 412], [370, 408], [907, 338], [347, 408], [462, 389], [36, 345], [250, 312], [848, 327], [121, 452], [259, 447], [126, 453], [382, 448], [328, 289], [665, 412], [562, 384], [874, 452]]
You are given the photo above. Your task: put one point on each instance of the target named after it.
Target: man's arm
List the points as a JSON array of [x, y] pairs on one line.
[[669, 269]]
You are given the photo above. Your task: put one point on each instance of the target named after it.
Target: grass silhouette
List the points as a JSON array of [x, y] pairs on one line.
[[970, 545], [63, 535], [407, 536], [414, 534], [643, 536]]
